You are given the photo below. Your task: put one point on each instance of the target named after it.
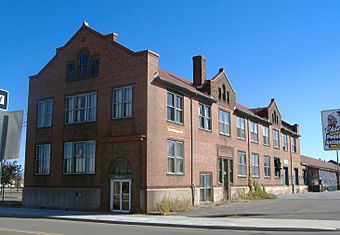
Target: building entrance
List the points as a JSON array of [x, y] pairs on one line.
[[120, 195]]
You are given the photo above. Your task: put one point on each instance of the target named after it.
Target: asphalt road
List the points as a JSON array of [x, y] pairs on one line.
[[320, 206], [19, 226]]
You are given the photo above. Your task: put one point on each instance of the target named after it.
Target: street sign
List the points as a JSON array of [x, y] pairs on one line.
[[3, 100], [331, 129]]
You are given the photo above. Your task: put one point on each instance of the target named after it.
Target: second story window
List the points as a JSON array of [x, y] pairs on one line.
[[42, 159], [83, 64], [293, 140], [79, 157], [241, 134], [122, 102], [204, 116], [265, 136], [174, 107], [44, 118], [254, 137], [284, 142], [224, 122], [175, 154], [276, 139], [81, 108]]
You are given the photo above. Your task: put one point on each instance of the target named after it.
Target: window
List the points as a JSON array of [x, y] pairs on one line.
[[223, 120], [293, 140], [241, 164], [277, 167], [45, 108], [219, 170], [240, 128], [254, 137], [266, 166], [265, 136], [81, 108], [255, 165], [174, 107], [304, 176], [205, 187], [276, 139], [204, 116], [122, 102], [219, 93], [296, 176], [175, 157], [284, 142], [83, 64], [224, 95], [79, 157], [95, 67], [42, 159], [228, 97], [70, 72]]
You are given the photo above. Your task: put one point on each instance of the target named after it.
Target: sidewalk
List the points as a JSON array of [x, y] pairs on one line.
[[239, 223]]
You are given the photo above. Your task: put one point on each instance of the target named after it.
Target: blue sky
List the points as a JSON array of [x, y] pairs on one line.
[[287, 50]]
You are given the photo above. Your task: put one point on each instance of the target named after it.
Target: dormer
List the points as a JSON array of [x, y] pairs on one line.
[[274, 115]]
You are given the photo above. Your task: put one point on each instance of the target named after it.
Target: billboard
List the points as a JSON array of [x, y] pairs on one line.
[[10, 134], [331, 129]]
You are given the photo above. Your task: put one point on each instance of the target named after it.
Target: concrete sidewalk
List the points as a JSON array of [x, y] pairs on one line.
[[240, 223]]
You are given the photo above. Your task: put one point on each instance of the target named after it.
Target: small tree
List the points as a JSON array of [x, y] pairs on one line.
[[12, 173]]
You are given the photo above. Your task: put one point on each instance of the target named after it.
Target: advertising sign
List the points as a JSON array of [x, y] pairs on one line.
[[331, 129], [3, 100]]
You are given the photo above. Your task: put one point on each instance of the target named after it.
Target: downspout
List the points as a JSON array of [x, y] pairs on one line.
[[291, 164], [250, 183], [192, 155]]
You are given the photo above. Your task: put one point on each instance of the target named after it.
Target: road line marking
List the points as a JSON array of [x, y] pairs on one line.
[[28, 232]]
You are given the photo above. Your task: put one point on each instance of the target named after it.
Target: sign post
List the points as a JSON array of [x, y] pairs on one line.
[[331, 133], [4, 123]]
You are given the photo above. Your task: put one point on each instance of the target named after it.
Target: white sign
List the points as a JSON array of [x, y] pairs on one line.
[[173, 130], [331, 129], [3, 100]]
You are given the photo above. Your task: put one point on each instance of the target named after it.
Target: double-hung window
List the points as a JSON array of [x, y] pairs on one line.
[[241, 164], [83, 64], [277, 167], [254, 137], [79, 157], [265, 136], [174, 107], [255, 168], [276, 139], [175, 155], [204, 116], [81, 108], [224, 122], [293, 140], [122, 102], [42, 159], [266, 166], [284, 142], [45, 108], [219, 170], [240, 126], [205, 187]]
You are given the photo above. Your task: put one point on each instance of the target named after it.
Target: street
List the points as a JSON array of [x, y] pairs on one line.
[[19, 226]]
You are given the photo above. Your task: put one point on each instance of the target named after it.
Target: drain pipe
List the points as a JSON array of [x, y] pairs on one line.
[[192, 155], [291, 165]]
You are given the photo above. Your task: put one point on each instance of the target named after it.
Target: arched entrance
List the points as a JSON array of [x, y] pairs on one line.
[[120, 186]]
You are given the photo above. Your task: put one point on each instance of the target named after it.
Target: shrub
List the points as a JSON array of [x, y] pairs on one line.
[[165, 206]]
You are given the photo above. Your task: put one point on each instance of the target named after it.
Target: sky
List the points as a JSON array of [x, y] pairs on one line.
[[284, 49]]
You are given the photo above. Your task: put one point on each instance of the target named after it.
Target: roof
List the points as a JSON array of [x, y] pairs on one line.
[[309, 161], [249, 113]]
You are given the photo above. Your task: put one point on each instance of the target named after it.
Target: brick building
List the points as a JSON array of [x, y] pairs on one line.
[[108, 129]]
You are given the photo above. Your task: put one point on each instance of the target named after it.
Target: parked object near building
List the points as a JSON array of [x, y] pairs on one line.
[[319, 175], [108, 129]]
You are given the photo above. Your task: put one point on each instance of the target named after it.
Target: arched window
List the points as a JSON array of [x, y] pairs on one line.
[[219, 93], [121, 167], [83, 63], [228, 97], [223, 93]]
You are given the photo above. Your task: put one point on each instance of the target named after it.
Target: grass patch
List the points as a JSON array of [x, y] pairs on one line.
[[165, 206], [260, 195]]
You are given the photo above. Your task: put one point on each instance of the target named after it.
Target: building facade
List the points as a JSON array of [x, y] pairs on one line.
[[108, 129]]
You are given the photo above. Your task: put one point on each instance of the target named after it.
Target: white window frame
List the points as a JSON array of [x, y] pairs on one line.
[[176, 155], [81, 162], [276, 139], [254, 133], [204, 116], [224, 122], [177, 107], [293, 143], [267, 173], [255, 165], [75, 112], [241, 164], [122, 102], [265, 135], [42, 159], [240, 128], [44, 113]]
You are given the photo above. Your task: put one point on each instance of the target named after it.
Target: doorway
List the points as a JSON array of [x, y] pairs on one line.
[[120, 200], [285, 176]]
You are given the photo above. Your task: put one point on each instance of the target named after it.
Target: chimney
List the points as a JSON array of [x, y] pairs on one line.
[[199, 72]]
